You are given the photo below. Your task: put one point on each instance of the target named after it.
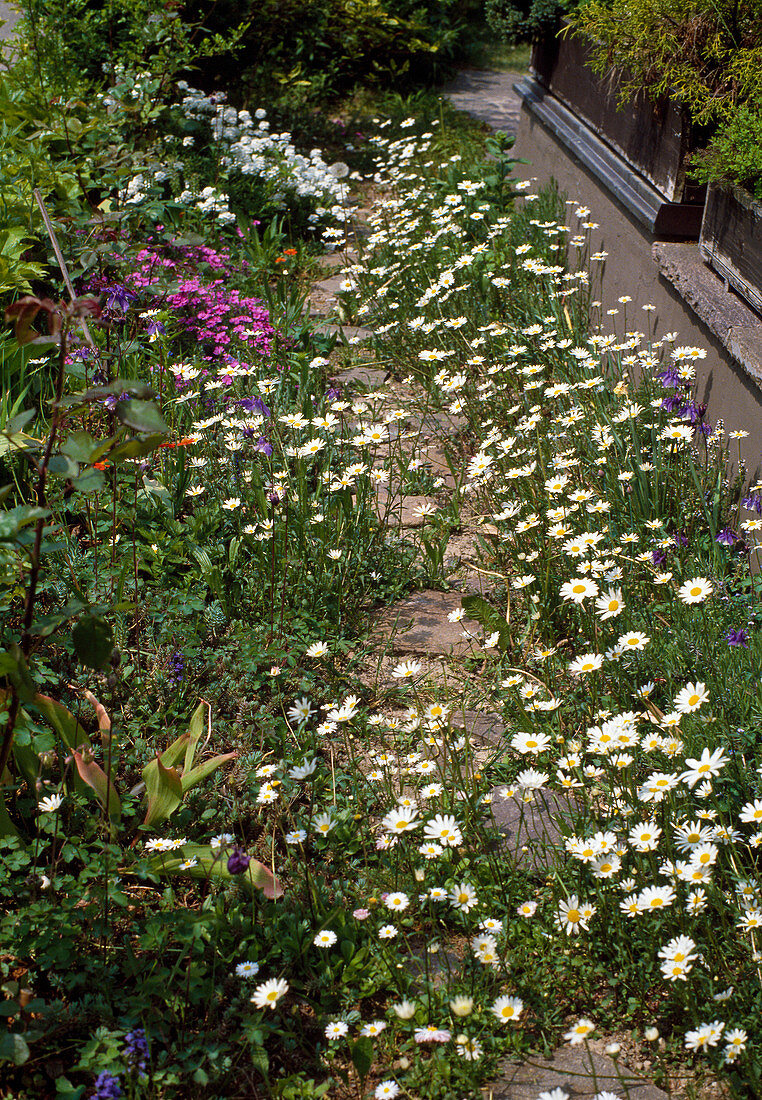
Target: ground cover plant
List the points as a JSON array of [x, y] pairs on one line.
[[236, 863]]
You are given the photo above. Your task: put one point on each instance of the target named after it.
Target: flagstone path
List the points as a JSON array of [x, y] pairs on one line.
[[418, 626]]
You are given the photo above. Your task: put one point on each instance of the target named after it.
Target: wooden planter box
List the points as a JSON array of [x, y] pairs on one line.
[[731, 240], [640, 151]]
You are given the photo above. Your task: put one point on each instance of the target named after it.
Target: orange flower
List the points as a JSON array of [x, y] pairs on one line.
[[281, 260], [291, 252], [185, 442], [101, 465]]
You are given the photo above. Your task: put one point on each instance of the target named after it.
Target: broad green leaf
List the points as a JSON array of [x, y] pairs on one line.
[[93, 641], [89, 481], [192, 778], [136, 448], [63, 466], [195, 730], [78, 446], [164, 790], [13, 1048], [62, 720], [141, 416], [7, 828], [362, 1056], [213, 864]]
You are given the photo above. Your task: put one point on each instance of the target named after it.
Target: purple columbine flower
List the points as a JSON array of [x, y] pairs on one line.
[[680, 539], [155, 328], [263, 446], [107, 1087], [118, 298], [674, 404], [727, 537], [753, 503], [238, 861], [738, 637], [658, 557], [254, 404], [136, 1050], [670, 378]]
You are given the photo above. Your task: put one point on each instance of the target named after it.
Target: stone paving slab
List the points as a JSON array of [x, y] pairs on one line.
[[346, 333], [487, 95], [532, 836], [579, 1072], [418, 625], [9, 17], [486, 729], [400, 511]]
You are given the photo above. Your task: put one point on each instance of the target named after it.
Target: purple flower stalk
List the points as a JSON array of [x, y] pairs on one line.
[[107, 1087], [136, 1050]]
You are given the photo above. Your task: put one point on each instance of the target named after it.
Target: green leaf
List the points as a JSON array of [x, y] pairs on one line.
[[490, 618], [164, 790], [63, 466], [78, 446], [136, 448], [195, 731], [13, 1048], [192, 778], [93, 641], [89, 481], [362, 1056], [62, 720], [7, 828], [141, 416], [212, 864]]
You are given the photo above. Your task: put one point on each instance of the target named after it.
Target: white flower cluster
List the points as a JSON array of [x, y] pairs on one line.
[[248, 147]]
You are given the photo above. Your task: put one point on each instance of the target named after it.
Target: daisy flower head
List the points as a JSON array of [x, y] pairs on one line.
[[691, 698], [337, 1029], [571, 915], [317, 649], [386, 1090], [610, 604], [444, 829], [325, 938], [695, 591], [397, 901], [247, 969], [463, 897], [269, 993], [507, 1009], [580, 1031], [374, 1028], [431, 1034], [400, 820]]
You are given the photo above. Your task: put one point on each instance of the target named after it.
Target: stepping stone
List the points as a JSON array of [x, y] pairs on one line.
[[532, 836], [579, 1073], [418, 625], [344, 332], [370, 378], [487, 729], [331, 286], [401, 511]]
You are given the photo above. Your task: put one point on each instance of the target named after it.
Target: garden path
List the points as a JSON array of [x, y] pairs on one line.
[[9, 17], [418, 626], [488, 95]]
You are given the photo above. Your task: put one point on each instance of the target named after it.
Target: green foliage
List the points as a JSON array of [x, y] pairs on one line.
[[321, 47], [734, 153], [529, 21], [707, 56]]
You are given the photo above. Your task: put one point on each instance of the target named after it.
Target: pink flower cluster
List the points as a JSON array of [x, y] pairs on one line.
[[206, 309]]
